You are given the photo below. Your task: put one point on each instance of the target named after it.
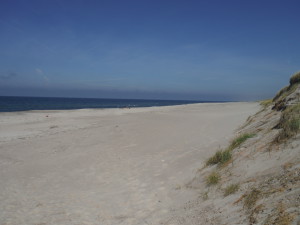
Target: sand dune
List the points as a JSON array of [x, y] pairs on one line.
[[113, 166]]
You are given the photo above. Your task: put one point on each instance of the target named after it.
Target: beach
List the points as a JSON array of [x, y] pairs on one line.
[[108, 166]]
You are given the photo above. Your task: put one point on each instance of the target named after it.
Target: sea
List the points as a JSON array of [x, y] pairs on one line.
[[14, 104]]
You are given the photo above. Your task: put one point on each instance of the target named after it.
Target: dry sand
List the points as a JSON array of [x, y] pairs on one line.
[[113, 166]]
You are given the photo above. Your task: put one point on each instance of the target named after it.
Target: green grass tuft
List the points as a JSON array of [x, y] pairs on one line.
[[284, 92], [240, 140], [213, 178], [220, 157], [266, 103], [295, 78], [289, 123], [280, 93], [231, 189]]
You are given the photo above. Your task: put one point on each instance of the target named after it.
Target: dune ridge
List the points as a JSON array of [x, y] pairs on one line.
[[256, 178]]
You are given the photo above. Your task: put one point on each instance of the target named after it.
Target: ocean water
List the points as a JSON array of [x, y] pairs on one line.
[[13, 104]]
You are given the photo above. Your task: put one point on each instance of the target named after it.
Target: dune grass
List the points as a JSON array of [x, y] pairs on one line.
[[213, 178], [251, 198], [219, 157], [280, 216], [284, 92], [289, 123], [265, 103], [280, 93], [223, 156], [240, 140], [295, 78], [231, 189]]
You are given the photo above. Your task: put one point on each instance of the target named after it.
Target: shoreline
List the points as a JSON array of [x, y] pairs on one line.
[[14, 104], [117, 108]]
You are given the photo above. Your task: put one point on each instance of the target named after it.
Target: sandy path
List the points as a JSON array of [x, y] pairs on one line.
[[116, 166]]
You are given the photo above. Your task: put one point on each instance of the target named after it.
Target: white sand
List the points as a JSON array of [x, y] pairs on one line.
[[114, 166]]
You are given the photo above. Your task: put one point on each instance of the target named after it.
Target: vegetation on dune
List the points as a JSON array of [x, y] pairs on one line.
[[286, 102], [205, 195], [295, 78], [221, 157], [280, 93], [213, 178], [266, 103], [251, 198], [231, 189], [279, 217], [284, 92], [240, 140], [289, 123]]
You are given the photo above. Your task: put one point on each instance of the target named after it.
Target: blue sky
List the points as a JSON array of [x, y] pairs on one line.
[[198, 50]]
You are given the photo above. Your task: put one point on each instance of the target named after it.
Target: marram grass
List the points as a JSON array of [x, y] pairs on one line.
[[295, 78], [289, 123], [231, 189], [221, 157], [213, 178], [240, 140]]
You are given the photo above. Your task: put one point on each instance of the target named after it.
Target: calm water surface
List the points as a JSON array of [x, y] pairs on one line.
[[12, 104]]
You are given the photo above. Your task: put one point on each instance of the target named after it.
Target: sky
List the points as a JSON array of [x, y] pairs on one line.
[[148, 49]]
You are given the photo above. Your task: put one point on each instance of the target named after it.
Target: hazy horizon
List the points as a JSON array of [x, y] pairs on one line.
[[180, 50]]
